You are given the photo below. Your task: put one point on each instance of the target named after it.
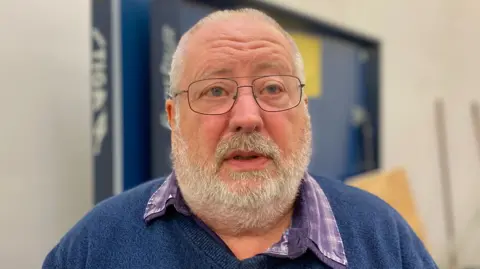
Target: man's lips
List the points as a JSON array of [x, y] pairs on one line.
[[246, 161], [244, 155]]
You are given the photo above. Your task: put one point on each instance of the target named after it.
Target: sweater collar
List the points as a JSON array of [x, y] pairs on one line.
[[313, 225]]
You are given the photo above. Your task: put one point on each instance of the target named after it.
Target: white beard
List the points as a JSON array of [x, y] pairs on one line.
[[238, 206]]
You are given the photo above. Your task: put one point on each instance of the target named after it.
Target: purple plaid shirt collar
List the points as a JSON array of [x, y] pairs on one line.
[[313, 224]]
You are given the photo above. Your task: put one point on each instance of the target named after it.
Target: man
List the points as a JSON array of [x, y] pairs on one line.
[[240, 196]]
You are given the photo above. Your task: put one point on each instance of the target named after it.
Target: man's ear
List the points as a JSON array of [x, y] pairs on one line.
[[170, 109], [305, 99]]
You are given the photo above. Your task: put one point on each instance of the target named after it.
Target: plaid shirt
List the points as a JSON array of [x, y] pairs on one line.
[[313, 224]]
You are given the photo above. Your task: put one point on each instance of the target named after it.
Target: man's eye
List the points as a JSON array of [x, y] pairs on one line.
[[272, 89], [215, 92]]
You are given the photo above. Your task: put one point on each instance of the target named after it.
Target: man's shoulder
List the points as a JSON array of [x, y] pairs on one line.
[[127, 207], [132, 199], [369, 224], [357, 204], [117, 216]]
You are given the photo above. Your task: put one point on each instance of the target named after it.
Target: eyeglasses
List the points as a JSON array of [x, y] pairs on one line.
[[216, 96]]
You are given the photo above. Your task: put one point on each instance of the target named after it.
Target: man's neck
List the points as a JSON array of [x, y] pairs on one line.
[[247, 244]]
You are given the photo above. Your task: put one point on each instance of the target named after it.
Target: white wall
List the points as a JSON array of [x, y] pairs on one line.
[[45, 168], [430, 49], [463, 88]]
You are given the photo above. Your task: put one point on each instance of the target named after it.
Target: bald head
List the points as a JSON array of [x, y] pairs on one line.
[[237, 23]]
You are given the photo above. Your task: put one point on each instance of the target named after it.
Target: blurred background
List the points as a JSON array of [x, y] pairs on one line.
[[394, 90]]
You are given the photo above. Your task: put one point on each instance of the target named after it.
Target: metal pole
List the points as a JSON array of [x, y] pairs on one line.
[[446, 183], [475, 113]]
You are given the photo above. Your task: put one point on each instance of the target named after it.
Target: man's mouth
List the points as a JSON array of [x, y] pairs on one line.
[[247, 160], [244, 155]]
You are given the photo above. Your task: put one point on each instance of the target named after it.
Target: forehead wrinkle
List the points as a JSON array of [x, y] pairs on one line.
[[259, 61], [226, 45], [209, 66], [243, 43], [277, 63]]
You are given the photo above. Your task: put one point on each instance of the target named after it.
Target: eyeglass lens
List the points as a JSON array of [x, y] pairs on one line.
[[217, 96]]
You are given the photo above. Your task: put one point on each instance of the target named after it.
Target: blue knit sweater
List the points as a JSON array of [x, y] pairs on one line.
[[114, 235]]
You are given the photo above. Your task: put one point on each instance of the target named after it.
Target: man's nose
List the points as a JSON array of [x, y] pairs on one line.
[[245, 115]]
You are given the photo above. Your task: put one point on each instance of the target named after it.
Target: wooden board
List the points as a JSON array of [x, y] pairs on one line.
[[392, 187]]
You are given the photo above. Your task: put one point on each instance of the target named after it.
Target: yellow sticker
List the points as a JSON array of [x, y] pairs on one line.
[[310, 47]]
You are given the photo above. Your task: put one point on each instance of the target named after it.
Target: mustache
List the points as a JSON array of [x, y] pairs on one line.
[[247, 142]]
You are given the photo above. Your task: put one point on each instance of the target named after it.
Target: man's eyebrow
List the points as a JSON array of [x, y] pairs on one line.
[[260, 67], [218, 72], [277, 66]]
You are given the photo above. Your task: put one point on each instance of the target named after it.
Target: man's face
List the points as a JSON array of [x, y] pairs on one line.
[[246, 154]]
